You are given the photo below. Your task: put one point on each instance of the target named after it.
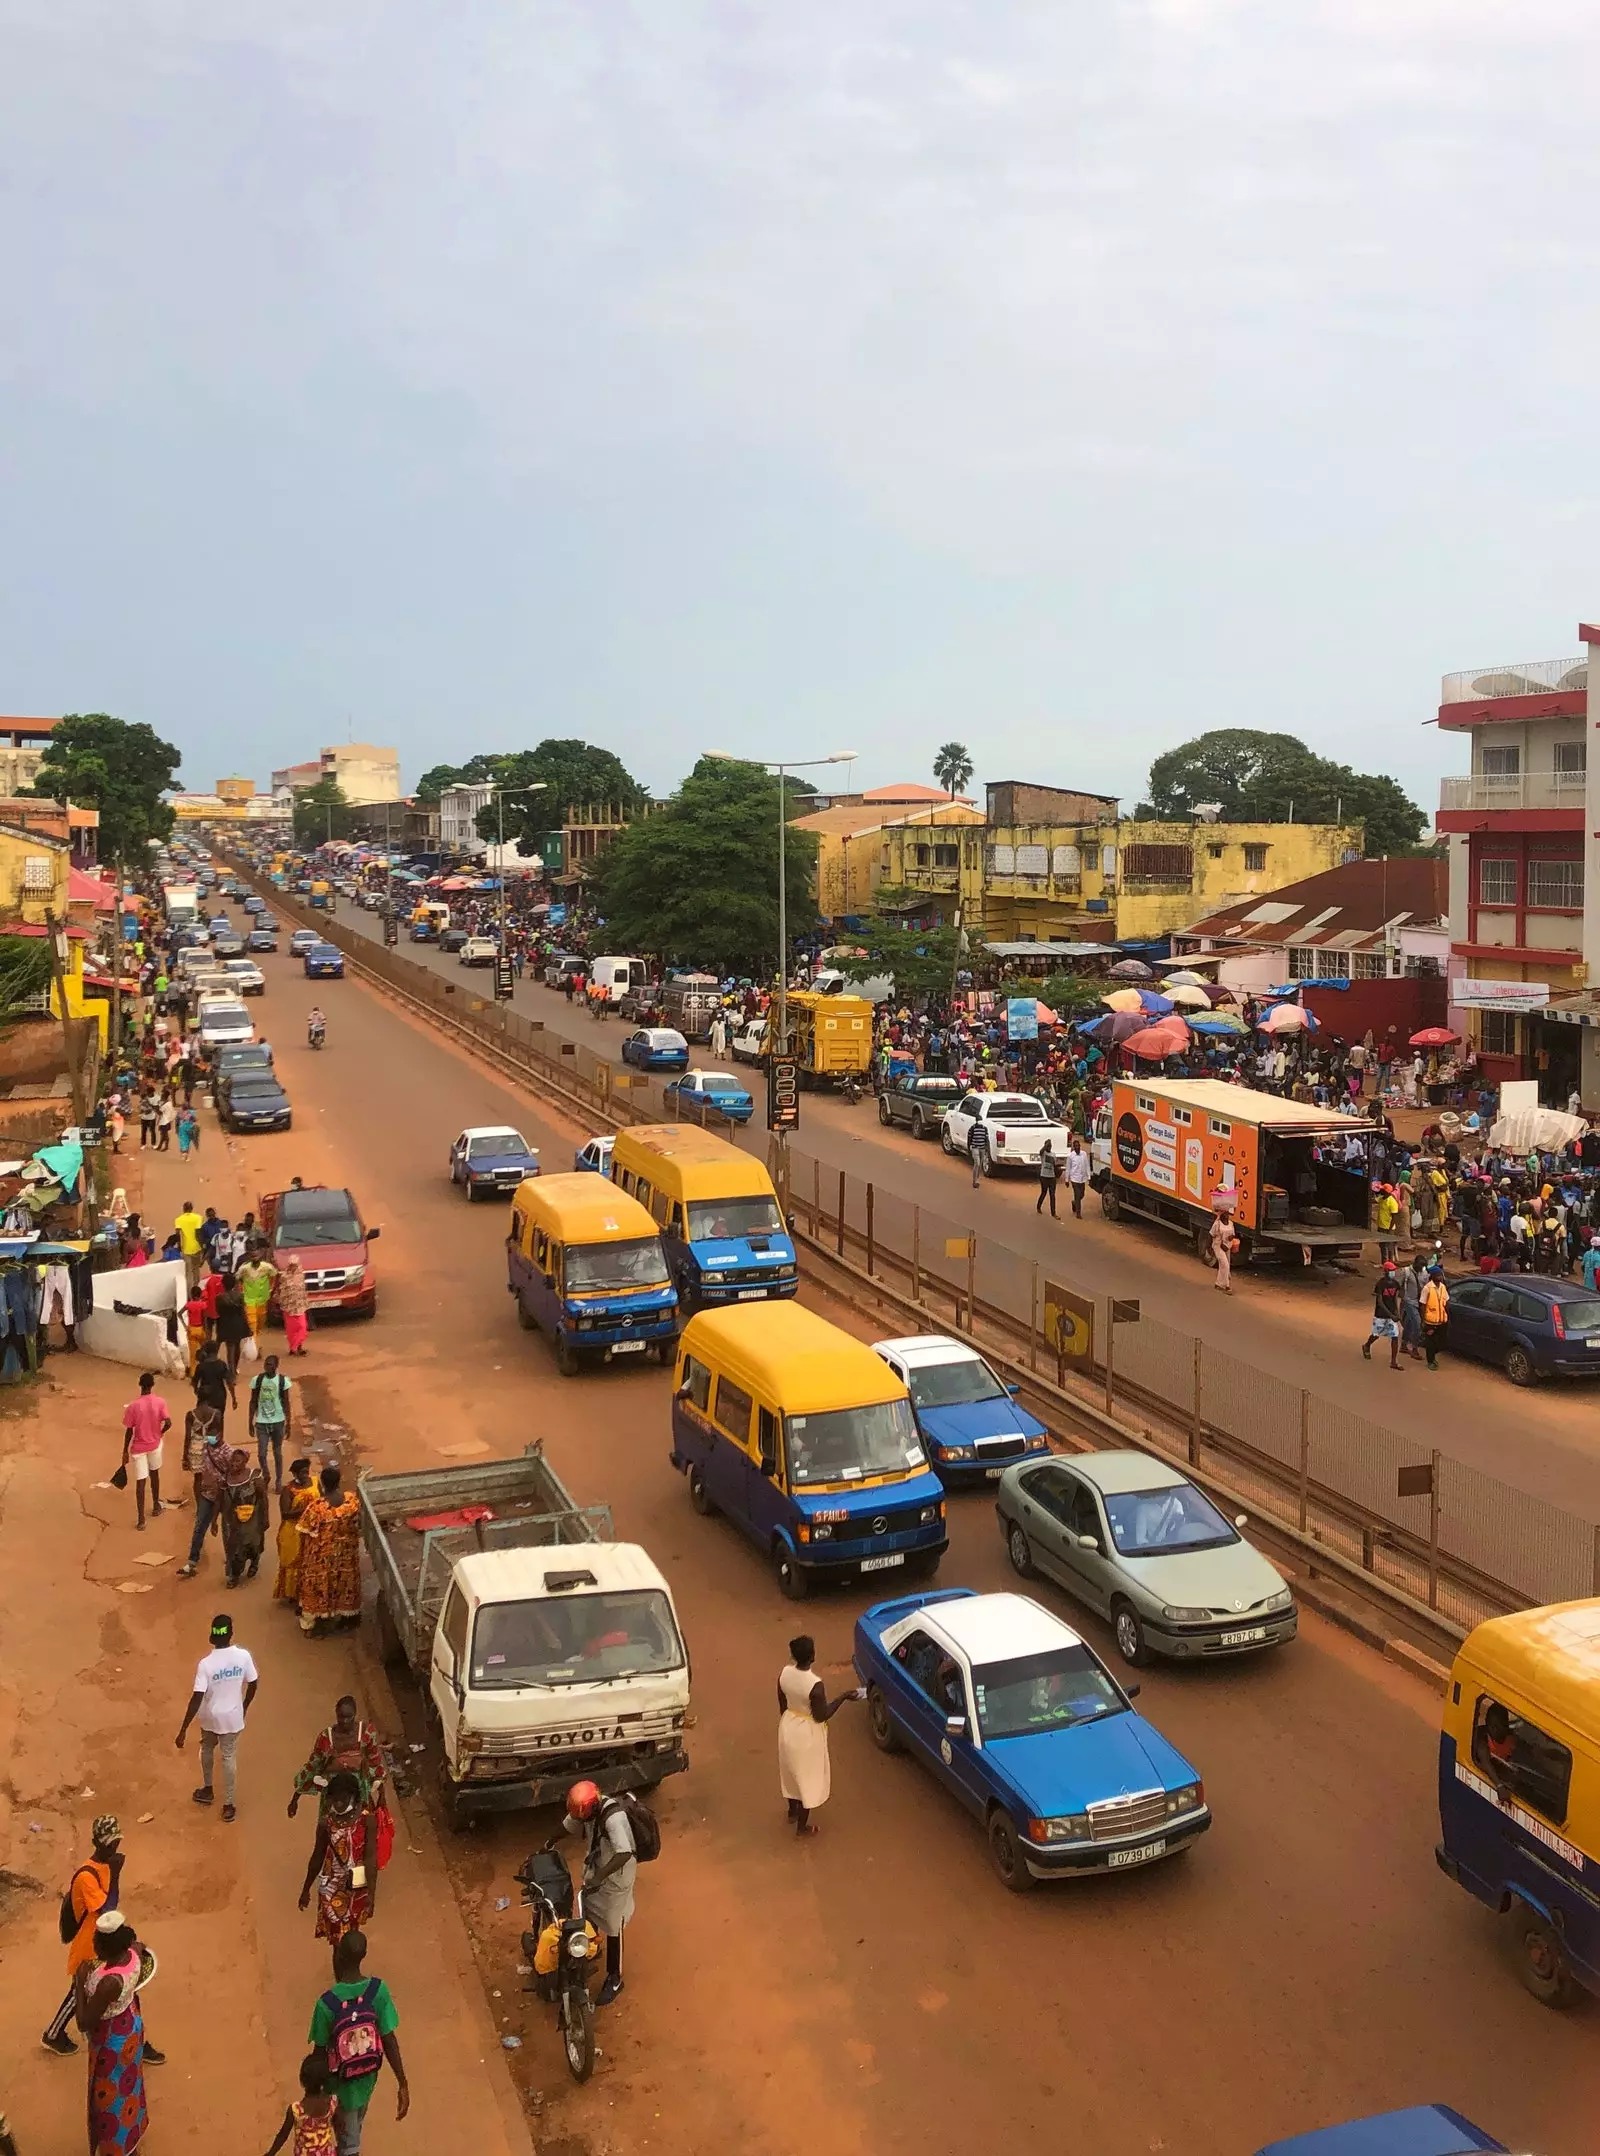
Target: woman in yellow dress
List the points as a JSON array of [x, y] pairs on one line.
[[293, 1499]]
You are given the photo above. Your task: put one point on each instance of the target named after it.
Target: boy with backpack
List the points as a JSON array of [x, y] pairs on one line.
[[353, 2025], [623, 1834]]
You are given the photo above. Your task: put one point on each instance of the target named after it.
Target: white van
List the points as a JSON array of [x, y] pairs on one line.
[[615, 976]]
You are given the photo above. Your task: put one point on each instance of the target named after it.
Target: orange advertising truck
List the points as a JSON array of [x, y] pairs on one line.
[[1296, 1179]]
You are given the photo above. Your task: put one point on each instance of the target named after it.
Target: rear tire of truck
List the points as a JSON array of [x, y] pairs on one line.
[[1110, 1203], [699, 1495], [883, 1110], [1202, 1248], [919, 1124], [791, 1575]]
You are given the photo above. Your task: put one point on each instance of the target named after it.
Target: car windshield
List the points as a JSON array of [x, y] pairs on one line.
[[1016, 1111], [315, 1216], [1054, 1690], [224, 1014], [723, 1220], [1150, 1523], [574, 1639], [845, 1443], [954, 1384], [491, 1143], [617, 1265]]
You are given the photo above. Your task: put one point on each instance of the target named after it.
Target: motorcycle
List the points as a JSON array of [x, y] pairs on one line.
[[316, 1034], [854, 1087], [561, 1948]]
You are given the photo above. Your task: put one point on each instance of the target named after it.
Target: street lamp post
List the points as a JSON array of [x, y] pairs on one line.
[[538, 787]]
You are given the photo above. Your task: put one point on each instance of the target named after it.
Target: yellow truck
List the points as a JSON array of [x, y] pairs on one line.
[[831, 1036]]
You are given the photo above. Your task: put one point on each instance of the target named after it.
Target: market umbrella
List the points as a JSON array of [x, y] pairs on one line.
[[1158, 1006], [1124, 999], [1434, 1037], [1289, 1018], [1113, 1028], [1185, 979], [1130, 969], [1217, 1022], [1167, 1037], [1190, 995], [1044, 1016]]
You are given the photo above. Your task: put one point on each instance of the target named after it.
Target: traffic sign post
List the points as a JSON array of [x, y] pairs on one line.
[[505, 980], [783, 1093], [1069, 1327]]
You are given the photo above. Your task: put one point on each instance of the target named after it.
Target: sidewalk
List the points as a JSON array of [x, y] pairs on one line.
[[98, 1641]]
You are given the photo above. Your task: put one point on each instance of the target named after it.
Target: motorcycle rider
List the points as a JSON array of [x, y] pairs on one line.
[[316, 1025], [609, 1870]]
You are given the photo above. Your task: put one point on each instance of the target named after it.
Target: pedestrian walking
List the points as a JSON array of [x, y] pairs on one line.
[[293, 1499], [1411, 1307], [330, 1556], [293, 1303], [213, 1382], [233, 1326], [149, 1120], [145, 1422], [349, 1745], [1435, 1313], [106, 2001], [94, 1889], [243, 1518], [1223, 1239], [978, 1153], [804, 1712], [270, 1411], [225, 1683], [354, 2025], [1078, 1166], [1049, 1171], [188, 1225], [344, 1861], [256, 1277], [188, 1132], [309, 2120], [1386, 1308], [610, 1868], [166, 1116]]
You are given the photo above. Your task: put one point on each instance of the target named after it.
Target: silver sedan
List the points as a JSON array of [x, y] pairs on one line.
[[1134, 1540]]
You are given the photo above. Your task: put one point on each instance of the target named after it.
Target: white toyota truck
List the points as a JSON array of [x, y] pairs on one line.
[[1015, 1130], [547, 1652]]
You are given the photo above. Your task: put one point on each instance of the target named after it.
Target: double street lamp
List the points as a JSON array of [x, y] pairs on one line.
[[500, 792]]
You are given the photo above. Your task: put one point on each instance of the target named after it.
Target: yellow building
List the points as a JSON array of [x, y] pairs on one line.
[[36, 891], [1100, 877], [853, 846]]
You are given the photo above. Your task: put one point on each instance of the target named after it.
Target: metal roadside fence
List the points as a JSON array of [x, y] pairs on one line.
[[1464, 1542]]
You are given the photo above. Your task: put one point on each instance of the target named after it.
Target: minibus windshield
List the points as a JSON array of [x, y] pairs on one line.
[[722, 1220], [848, 1442], [617, 1265]]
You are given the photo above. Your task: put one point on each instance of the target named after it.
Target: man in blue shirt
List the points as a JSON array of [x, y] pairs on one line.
[[1590, 1266]]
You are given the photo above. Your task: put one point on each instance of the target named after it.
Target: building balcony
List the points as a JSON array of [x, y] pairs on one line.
[[1157, 886], [1524, 677], [1522, 790]]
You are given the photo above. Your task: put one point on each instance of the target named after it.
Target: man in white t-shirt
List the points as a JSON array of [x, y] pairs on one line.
[[224, 1685], [1077, 1166]]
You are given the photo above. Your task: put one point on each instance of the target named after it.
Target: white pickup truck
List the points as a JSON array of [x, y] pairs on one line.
[[479, 951], [1015, 1128], [749, 1043]]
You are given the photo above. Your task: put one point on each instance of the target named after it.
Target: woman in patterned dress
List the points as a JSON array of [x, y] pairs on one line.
[[329, 1584], [293, 1499], [109, 2016], [343, 1865], [348, 1745]]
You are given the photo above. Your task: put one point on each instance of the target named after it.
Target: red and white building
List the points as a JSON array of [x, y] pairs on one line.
[[1524, 833]]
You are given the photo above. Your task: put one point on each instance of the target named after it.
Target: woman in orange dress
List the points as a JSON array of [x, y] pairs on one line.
[[293, 1499], [330, 1556]]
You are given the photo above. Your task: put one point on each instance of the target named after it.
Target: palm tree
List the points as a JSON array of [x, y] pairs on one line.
[[952, 767]]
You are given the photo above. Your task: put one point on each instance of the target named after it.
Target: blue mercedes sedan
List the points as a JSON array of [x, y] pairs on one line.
[[711, 1093], [656, 1048], [1023, 1723], [971, 1424]]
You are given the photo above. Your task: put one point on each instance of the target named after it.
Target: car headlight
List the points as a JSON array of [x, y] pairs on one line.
[[1282, 1600], [1186, 1800], [956, 1452], [1181, 1616], [354, 1276], [822, 1534], [929, 1514], [1074, 1827]]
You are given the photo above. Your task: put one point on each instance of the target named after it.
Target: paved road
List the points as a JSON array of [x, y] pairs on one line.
[[876, 1989], [1546, 1442]]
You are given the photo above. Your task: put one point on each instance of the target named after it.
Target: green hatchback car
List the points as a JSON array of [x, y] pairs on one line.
[[1138, 1543]]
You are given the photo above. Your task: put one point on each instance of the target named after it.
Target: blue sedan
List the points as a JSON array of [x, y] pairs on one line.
[[324, 962], [1531, 1325], [261, 939], [1424, 2130], [711, 1093], [595, 1157], [1023, 1723], [656, 1048], [491, 1157], [970, 1423]]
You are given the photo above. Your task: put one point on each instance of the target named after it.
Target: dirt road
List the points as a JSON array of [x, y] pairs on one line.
[[876, 1989]]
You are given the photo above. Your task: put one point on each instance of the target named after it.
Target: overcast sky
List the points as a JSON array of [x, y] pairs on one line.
[[1063, 378]]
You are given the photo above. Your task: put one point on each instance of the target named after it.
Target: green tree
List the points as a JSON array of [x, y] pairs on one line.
[[321, 812], [921, 961], [1263, 778], [697, 880], [24, 972], [571, 774], [96, 761], [952, 767]]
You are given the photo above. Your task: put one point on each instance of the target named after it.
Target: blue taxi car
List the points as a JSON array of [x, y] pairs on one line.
[[711, 1093], [594, 1157], [970, 1422], [1023, 1723], [1422, 2130], [324, 962], [656, 1048]]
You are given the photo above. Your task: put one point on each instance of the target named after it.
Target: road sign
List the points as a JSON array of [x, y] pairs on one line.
[[1069, 1323], [783, 1094], [1416, 1481], [505, 980], [1125, 1313], [391, 929]]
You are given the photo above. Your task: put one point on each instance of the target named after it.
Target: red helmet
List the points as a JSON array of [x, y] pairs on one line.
[[583, 1800]]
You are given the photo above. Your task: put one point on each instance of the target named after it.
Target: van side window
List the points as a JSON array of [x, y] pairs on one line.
[[643, 1192], [455, 1625], [1520, 1759], [767, 1433], [658, 1207], [675, 1219], [624, 1176], [519, 1229], [733, 1410], [541, 1250], [698, 1379]]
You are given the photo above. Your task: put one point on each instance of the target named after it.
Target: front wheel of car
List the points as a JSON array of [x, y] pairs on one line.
[[1131, 1643], [791, 1573], [566, 1357], [1005, 1854], [1520, 1365], [1020, 1551], [883, 1109], [879, 1720]]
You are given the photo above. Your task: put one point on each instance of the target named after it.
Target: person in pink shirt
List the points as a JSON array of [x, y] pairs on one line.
[[145, 1422]]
